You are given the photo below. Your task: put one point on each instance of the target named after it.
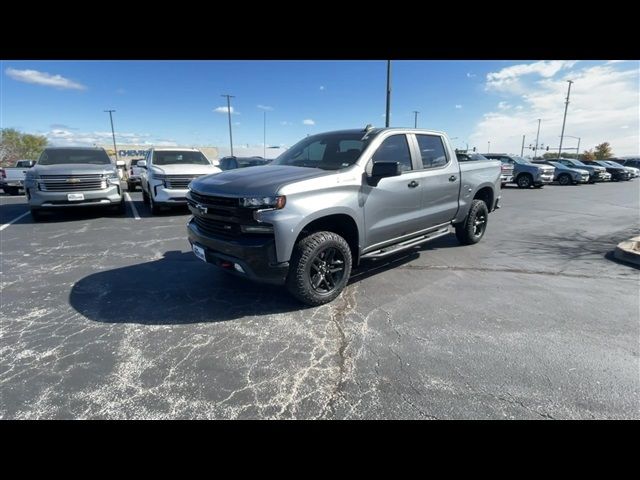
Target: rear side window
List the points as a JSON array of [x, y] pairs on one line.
[[394, 149], [431, 151]]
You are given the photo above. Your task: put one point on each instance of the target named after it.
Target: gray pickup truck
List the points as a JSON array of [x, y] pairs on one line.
[[336, 198], [73, 177], [525, 173]]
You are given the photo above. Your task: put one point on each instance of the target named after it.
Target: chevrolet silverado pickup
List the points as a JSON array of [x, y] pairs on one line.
[[73, 177], [166, 173], [334, 199]]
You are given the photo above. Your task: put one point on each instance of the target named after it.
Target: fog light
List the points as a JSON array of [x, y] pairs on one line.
[[256, 228], [238, 268]]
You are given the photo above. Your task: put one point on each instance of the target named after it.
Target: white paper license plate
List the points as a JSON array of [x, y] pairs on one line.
[[75, 197], [199, 252]]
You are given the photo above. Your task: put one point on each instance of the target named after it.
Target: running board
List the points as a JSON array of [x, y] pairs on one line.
[[413, 242]]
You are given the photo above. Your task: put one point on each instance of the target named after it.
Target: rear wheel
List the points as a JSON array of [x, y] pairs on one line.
[[525, 180], [11, 190], [131, 186], [472, 229], [320, 268], [145, 197]]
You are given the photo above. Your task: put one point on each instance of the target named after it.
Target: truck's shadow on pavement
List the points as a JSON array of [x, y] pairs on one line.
[[180, 289]]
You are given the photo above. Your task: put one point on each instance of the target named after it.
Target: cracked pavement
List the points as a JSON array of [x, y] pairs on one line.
[[104, 316]]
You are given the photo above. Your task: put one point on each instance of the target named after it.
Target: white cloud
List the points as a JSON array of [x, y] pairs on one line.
[[471, 75], [604, 99], [308, 121], [225, 110], [458, 106], [43, 78], [262, 107], [322, 89], [65, 137], [284, 122], [504, 106], [509, 78]]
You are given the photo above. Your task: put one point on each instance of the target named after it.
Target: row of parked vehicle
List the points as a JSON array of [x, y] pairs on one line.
[[565, 171]]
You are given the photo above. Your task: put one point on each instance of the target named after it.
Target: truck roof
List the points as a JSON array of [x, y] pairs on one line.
[[176, 149], [376, 131], [74, 148]]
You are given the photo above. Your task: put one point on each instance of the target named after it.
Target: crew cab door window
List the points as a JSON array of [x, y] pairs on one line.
[[394, 149], [431, 151]]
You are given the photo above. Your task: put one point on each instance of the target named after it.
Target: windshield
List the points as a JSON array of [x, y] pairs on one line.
[[557, 165], [578, 162], [177, 157], [74, 156], [328, 151], [520, 159]]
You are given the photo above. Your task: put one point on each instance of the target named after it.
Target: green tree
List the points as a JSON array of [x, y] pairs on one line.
[[15, 145], [588, 155], [603, 151]]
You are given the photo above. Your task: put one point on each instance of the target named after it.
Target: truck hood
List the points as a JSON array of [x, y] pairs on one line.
[[185, 169], [254, 181], [72, 169]]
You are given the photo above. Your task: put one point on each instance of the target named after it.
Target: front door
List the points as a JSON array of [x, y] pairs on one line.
[[393, 207]]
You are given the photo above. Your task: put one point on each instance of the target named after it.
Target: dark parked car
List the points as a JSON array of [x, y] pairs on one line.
[[617, 173], [231, 163], [525, 173], [629, 162]]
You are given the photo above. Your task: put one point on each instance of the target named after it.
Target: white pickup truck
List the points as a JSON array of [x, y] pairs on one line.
[[12, 178], [167, 172]]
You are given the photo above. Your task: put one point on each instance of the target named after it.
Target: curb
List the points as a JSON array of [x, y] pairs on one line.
[[629, 251]]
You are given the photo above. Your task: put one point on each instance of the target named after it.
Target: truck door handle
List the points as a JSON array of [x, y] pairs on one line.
[[412, 184], [452, 178]]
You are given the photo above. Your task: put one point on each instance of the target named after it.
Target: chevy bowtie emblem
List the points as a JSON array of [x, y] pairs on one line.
[[73, 180], [201, 208]]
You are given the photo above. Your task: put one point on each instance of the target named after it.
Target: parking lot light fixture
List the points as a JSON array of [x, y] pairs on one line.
[[564, 120], [229, 97], [113, 134]]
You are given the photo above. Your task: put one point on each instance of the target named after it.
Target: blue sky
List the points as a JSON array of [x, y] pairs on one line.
[[175, 102]]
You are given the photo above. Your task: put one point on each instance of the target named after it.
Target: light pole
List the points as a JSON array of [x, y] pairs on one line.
[[264, 144], [386, 121], [578, 147], [489, 147], [415, 118], [566, 107], [522, 148], [535, 149], [229, 113], [113, 134]]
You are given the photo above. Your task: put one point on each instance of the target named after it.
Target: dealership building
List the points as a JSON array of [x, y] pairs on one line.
[[129, 152]]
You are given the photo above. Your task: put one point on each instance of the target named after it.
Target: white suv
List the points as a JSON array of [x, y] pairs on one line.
[[167, 173]]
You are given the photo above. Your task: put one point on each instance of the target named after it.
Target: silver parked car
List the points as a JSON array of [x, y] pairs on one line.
[[565, 175], [73, 177]]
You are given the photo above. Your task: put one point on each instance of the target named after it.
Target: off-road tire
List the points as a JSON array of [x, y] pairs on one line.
[[467, 231]]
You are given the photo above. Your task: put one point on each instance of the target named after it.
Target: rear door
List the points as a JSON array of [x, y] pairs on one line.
[[440, 179]]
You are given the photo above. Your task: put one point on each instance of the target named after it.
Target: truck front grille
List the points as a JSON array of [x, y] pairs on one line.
[[72, 183], [178, 181], [215, 201], [210, 226]]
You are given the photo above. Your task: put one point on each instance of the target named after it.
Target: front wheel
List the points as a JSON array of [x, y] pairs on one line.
[[564, 179], [12, 191], [35, 214], [153, 206], [472, 229], [320, 268], [525, 181]]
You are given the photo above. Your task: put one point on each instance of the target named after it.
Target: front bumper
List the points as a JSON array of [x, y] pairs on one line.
[[506, 178], [169, 196], [256, 255], [92, 198], [12, 183], [544, 179]]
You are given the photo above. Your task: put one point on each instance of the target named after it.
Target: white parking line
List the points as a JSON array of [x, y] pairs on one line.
[[13, 221], [133, 206]]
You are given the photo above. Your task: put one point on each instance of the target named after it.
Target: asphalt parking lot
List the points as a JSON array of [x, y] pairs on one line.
[[112, 316]]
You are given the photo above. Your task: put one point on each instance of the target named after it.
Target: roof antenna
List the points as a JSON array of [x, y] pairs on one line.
[[368, 127]]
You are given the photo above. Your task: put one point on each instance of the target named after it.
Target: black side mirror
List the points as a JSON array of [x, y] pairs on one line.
[[382, 170]]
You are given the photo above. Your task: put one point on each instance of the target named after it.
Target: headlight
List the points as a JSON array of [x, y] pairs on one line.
[[276, 202]]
